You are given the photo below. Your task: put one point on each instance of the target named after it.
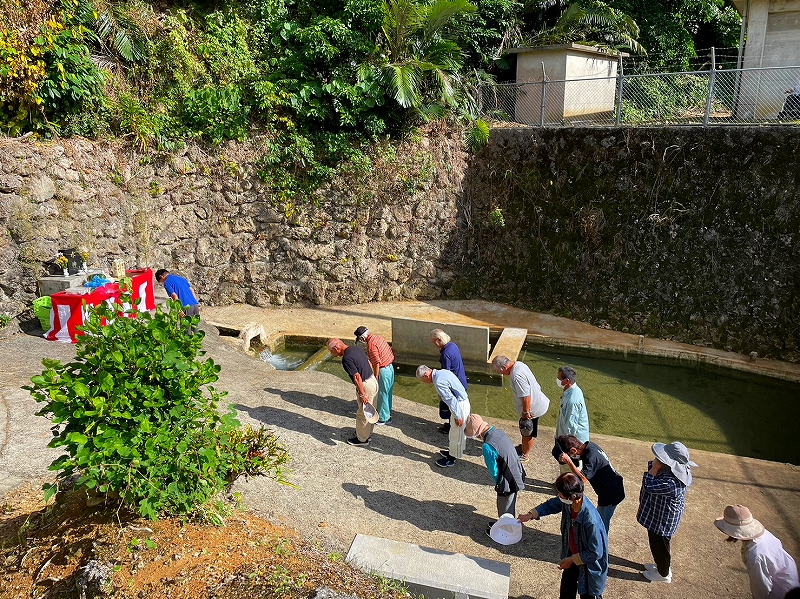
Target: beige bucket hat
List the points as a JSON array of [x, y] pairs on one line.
[[738, 522]]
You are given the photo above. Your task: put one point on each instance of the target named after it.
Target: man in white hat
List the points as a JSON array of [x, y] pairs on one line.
[[502, 461], [661, 504], [772, 571], [357, 366]]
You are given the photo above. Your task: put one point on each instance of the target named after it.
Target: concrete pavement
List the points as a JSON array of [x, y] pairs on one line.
[[393, 489]]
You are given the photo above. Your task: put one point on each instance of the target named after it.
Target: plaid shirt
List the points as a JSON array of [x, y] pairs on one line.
[[661, 502], [378, 351]]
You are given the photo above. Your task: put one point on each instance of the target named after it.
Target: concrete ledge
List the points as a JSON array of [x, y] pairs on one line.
[[411, 343], [510, 343], [433, 573]]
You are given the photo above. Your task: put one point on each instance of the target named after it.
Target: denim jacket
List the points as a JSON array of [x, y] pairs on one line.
[[592, 540]]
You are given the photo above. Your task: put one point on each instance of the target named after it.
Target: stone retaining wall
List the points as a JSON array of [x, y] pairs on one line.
[[688, 233], [388, 230], [685, 233]]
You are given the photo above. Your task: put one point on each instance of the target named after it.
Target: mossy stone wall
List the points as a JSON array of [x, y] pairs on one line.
[[686, 233]]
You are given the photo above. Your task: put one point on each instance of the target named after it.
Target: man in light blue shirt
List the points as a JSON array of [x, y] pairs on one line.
[[572, 416], [451, 392]]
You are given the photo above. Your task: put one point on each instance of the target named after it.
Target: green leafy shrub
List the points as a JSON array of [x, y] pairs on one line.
[[217, 113], [664, 98], [136, 415]]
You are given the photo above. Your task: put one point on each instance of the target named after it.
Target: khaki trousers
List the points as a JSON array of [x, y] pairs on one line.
[[364, 428]]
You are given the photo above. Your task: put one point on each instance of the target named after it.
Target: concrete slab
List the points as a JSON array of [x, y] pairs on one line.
[[51, 285], [510, 343], [433, 573], [411, 342]]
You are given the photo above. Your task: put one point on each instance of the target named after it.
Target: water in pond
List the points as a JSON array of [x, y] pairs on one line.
[[748, 416]]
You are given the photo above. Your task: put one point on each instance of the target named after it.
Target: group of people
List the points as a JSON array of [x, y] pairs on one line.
[[584, 526]]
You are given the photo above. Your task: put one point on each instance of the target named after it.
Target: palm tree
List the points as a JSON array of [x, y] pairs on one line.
[[590, 22], [420, 63], [123, 28]]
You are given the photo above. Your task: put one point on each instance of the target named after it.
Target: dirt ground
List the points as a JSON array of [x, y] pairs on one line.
[[392, 488]]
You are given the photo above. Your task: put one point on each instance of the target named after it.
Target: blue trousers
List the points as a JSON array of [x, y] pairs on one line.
[[383, 400], [606, 511]]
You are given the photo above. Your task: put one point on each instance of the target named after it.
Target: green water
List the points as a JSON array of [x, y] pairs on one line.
[[747, 416]]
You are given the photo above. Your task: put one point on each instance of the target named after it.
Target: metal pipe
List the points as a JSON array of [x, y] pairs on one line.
[[619, 92], [740, 59], [711, 80], [544, 96]]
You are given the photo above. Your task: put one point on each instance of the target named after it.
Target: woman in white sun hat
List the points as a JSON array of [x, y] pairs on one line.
[[772, 571]]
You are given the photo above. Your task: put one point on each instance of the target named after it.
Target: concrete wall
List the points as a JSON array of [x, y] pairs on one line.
[[411, 343], [570, 100], [773, 40]]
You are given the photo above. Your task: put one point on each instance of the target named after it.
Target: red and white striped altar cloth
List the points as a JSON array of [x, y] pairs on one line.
[[70, 310]]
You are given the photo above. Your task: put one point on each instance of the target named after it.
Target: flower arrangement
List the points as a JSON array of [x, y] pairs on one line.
[[84, 254], [62, 261]]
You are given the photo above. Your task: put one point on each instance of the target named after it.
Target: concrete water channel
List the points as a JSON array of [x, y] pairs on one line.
[[625, 398], [636, 388]]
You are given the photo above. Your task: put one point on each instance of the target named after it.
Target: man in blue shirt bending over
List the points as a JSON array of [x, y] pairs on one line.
[[179, 289]]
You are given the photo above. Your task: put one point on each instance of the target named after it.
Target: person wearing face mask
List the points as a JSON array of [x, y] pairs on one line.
[[596, 469], [584, 541], [572, 416], [502, 461]]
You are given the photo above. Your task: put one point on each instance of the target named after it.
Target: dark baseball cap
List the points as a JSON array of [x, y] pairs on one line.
[[359, 332]]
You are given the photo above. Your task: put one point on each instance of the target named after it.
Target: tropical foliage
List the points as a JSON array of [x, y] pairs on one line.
[[591, 22], [137, 416], [320, 82]]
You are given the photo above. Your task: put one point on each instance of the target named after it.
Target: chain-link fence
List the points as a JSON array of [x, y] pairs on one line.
[[718, 96]]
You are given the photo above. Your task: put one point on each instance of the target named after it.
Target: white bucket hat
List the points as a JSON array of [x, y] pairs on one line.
[[370, 413], [676, 456], [738, 522], [507, 530]]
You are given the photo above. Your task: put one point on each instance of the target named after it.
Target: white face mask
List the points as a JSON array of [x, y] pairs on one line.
[[562, 382], [565, 501]]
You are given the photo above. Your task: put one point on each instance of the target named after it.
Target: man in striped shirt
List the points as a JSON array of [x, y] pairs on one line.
[[381, 358]]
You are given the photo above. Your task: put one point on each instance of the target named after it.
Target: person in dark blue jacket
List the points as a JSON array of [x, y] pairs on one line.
[[584, 541], [450, 359]]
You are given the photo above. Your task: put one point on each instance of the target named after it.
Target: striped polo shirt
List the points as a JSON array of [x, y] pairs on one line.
[[378, 351]]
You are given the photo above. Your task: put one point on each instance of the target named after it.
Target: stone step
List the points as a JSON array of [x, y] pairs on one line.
[[510, 343], [433, 573]]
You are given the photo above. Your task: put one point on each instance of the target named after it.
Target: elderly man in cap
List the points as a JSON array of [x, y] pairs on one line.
[[529, 401], [381, 358], [772, 571], [451, 392], [356, 365], [449, 359], [502, 461], [661, 504]]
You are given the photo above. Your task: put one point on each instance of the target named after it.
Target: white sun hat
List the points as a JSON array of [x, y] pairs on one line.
[[370, 413], [507, 530]]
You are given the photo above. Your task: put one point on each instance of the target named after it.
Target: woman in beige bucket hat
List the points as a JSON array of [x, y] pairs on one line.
[[772, 571]]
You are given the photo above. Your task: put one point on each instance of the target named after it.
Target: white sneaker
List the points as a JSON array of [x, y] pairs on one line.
[[651, 567], [654, 576]]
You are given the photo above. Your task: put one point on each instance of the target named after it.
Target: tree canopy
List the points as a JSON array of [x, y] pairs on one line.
[[319, 80]]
